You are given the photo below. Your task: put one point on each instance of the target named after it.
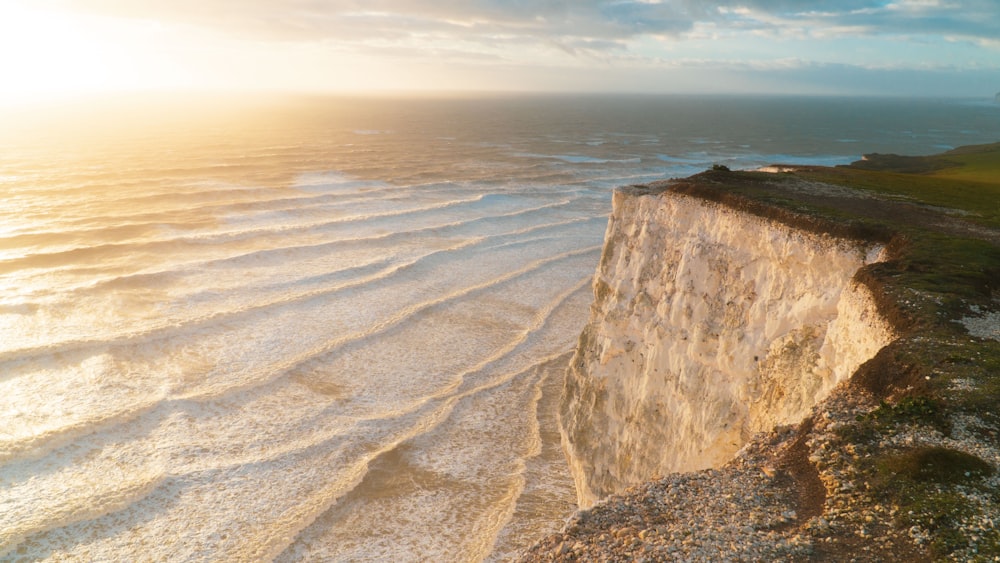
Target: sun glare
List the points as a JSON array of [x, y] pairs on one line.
[[52, 55], [49, 54]]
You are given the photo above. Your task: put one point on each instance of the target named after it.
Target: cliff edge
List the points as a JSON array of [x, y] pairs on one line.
[[799, 365]]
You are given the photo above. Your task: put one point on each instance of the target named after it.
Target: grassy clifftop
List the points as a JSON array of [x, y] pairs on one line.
[[966, 179]]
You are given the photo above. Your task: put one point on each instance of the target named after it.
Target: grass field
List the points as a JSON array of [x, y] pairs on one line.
[[965, 179]]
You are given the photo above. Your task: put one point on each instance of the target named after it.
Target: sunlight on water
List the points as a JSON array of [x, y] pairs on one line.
[[324, 329]]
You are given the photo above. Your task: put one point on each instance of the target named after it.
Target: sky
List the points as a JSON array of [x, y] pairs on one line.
[[58, 48]]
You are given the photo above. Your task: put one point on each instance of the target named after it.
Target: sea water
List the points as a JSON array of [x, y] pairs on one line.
[[330, 328]]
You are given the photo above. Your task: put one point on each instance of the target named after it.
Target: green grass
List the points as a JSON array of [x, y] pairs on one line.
[[953, 268], [978, 198], [935, 465], [924, 484], [966, 179]]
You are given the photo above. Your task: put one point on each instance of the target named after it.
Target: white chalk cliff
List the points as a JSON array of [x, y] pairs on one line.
[[709, 324]]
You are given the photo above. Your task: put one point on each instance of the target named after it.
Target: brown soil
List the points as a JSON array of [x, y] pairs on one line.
[[809, 488]]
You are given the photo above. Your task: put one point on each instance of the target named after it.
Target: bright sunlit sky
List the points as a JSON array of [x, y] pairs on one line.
[[902, 47]]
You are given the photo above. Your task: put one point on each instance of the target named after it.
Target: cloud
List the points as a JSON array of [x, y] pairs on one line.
[[974, 20], [552, 19], [544, 32], [304, 19]]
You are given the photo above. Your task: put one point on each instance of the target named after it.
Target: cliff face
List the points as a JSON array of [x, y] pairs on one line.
[[709, 325]]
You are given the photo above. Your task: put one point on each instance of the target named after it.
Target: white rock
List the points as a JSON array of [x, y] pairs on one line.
[[708, 325]]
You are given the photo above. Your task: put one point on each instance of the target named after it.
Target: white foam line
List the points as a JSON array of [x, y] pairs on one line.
[[540, 320], [448, 394], [307, 201], [69, 269], [440, 413], [162, 331], [92, 225], [447, 399], [397, 319], [76, 510], [40, 445], [179, 267], [320, 503], [170, 188], [266, 548], [36, 446], [327, 245], [263, 197], [535, 448], [30, 261]]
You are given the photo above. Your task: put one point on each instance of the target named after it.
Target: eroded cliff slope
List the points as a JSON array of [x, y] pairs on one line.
[[709, 325]]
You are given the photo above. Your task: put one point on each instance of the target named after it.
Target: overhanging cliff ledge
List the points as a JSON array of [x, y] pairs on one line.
[[801, 365]]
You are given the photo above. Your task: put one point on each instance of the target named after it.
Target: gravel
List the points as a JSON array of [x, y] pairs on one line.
[[983, 324]]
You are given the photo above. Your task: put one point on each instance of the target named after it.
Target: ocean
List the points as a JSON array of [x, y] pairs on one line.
[[334, 329]]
